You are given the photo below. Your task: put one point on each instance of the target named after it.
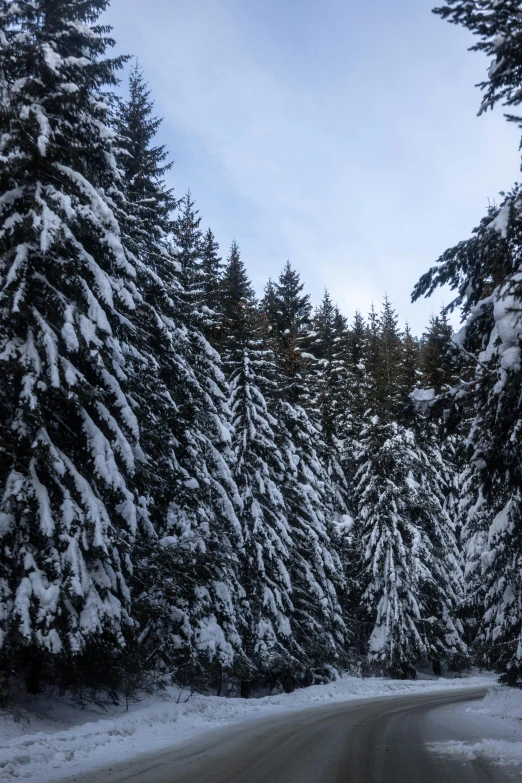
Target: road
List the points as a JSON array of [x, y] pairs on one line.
[[379, 740]]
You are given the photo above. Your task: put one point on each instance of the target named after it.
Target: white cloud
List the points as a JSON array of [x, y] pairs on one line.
[[355, 153]]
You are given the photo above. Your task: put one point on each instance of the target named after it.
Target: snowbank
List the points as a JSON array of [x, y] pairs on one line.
[[502, 752], [504, 704], [52, 739]]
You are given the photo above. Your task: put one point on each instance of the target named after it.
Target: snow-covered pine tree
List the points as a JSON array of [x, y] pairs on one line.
[[184, 585], [357, 400], [328, 383], [212, 273], [387, 370], [328, 343], [440, 361], [189, 240], [441, 367], [438, 482], [144, 166], [69, 435], [409, 366], [258, 471], [440, 454], [498, 24], [210, 453], [391, 553], [315, 568], [408, 550], [485, 272], [291, 315]]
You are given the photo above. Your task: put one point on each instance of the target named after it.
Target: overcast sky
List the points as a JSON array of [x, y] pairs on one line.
[[339, 134]]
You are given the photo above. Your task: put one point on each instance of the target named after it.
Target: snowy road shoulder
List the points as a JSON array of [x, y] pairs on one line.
[[53, 739], [493, 728]]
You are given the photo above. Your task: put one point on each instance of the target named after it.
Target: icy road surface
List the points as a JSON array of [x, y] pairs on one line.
[[382, 740]]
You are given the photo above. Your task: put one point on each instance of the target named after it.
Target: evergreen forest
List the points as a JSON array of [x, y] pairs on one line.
[[226, 491]]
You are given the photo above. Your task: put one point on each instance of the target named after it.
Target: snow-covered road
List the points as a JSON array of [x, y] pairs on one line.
[[382, 740], [63, 741]]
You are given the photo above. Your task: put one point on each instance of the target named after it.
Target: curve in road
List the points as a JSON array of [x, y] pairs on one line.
[[372, 741]]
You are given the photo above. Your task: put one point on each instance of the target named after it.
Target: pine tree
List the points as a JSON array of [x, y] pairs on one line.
[[408, 552], [484, 272], [387, 371], [316, 571], [258, 471], [441, 363], [409, 369], [290, 316], [498, 24], [144, 167], [212, 273], [213, 459], [329, 397], [189, 239], [329, 381], [357, 389], [185, 583], [69, 435]]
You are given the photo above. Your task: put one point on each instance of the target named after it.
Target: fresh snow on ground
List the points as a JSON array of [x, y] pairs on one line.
[[52, 738], [497, 721]]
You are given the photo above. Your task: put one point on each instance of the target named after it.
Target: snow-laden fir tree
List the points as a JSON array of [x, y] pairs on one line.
[[356, 391], [290, 314], [437, 483], [144, 166], [485, 273], [409, 367], [212, 273], [316, 527], [184, 586], [69, 435], [386, 374], [329, 382], [440, 359], [391, 555], [411, 574], [211, 452], [498, 24], [441, 367], [328, 346], [259, 472]]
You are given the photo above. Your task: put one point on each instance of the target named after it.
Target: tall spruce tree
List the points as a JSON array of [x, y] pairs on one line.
[[185, 586], [69, 435], [411, 570], [357, 389], [328, 384], [484, 271], [316, 572], [258, 471], [409, 367], [212, 273], [290, 318], [144, 166], [387, 370]]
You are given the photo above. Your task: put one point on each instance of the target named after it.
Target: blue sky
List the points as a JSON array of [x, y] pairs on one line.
[[339, 134]]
